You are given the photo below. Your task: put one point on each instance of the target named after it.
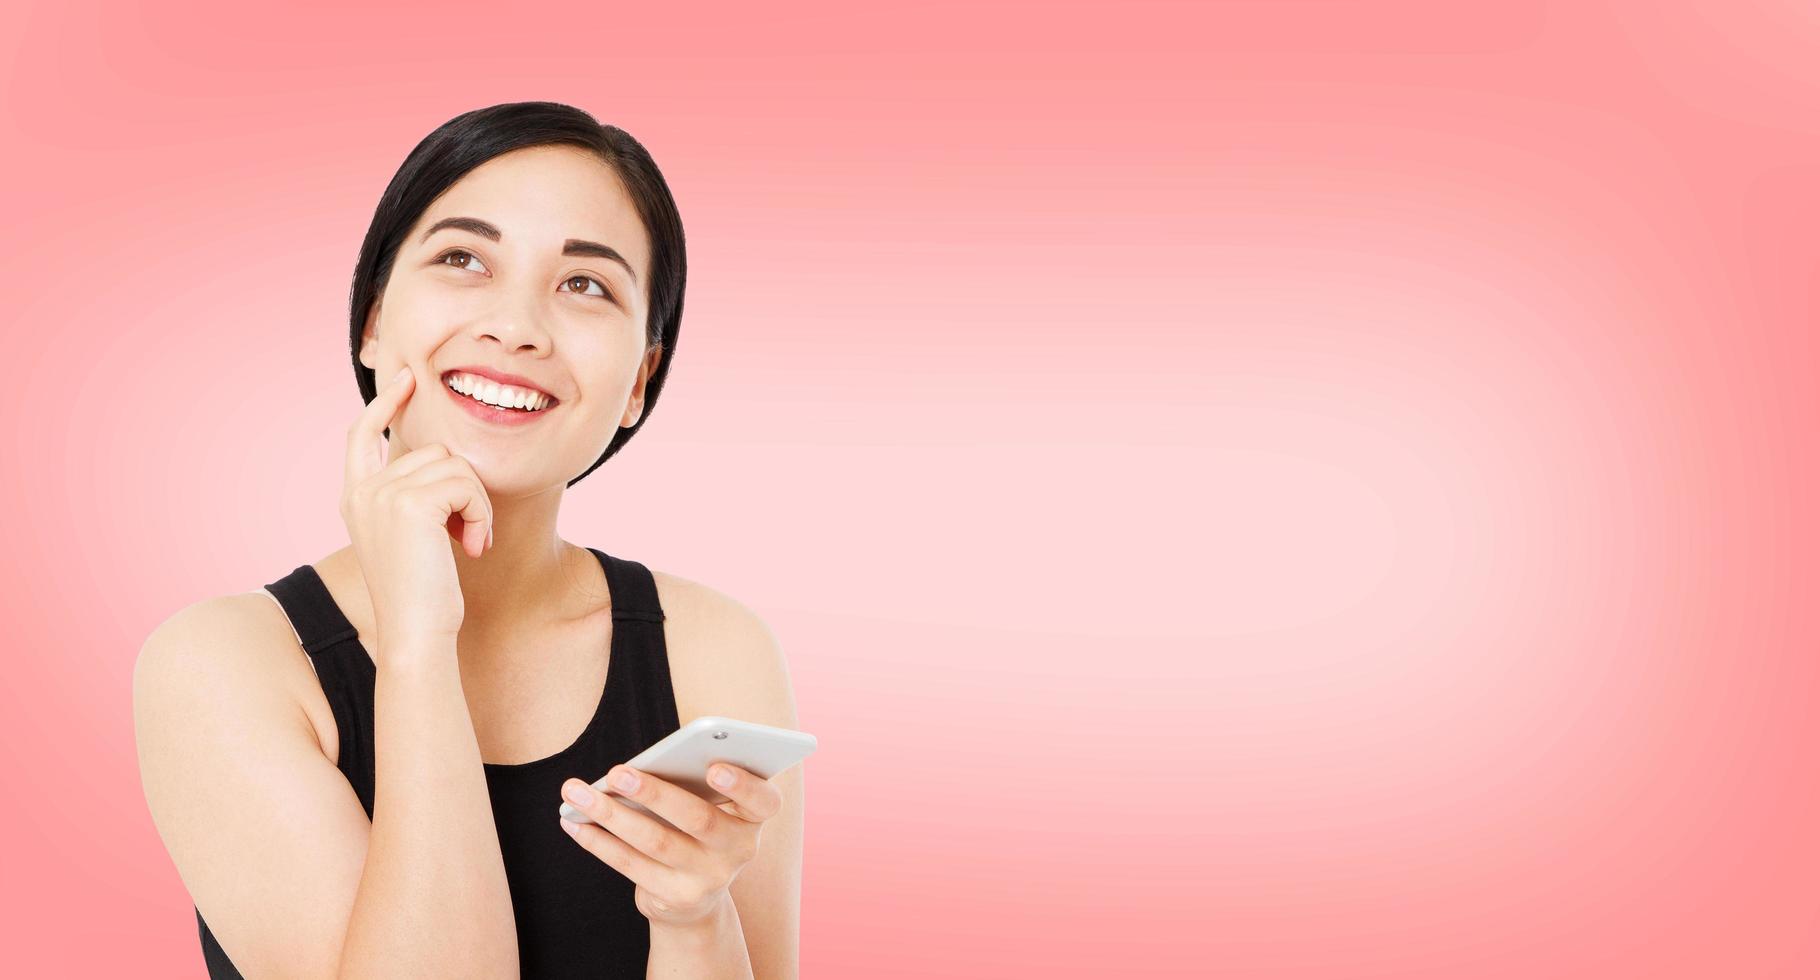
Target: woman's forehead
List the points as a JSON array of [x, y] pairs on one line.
[[549, 196]]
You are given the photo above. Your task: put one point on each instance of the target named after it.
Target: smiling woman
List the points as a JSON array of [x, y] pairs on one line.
[[470, 142], [358, 769]]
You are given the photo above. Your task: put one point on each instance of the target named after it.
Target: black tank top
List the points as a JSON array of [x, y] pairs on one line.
[[575, 914]]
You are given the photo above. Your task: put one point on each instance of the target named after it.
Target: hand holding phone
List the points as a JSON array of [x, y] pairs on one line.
[[683, 757]]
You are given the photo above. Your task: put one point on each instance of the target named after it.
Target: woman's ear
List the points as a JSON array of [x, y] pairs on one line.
[[369, 355], [635, 406]]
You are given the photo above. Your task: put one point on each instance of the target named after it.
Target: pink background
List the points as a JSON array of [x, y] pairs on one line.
[[1265, 489]]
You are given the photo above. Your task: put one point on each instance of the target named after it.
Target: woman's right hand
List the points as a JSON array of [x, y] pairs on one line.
[[401, 514]]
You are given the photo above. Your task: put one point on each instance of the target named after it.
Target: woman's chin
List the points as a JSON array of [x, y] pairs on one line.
[[506, 480], [504, 471]]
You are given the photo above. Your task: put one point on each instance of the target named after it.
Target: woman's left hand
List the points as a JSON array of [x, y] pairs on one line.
[[681, 874]]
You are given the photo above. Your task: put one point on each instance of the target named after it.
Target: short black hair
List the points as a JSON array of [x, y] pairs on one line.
[[473, 138]]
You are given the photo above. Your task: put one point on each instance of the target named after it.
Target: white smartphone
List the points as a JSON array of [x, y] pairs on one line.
[[683, 757]]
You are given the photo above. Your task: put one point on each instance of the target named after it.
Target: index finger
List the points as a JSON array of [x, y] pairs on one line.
[[366, 451]]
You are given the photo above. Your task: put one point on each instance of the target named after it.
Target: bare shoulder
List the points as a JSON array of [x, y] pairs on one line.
[[724, 658], [240, 638], [237, 639], [225, 647]]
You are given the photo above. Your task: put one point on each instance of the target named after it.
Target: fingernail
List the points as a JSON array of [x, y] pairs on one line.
[[578, 794], [625, 781], [489, 537], [400, 376], [721, 777]]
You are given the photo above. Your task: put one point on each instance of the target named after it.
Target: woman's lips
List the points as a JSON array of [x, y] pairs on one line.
[[498, 416]]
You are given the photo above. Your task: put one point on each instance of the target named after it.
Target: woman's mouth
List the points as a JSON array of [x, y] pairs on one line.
[[496, 414]]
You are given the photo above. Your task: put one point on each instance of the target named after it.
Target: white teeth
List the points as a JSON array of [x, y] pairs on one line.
[[500, 396]]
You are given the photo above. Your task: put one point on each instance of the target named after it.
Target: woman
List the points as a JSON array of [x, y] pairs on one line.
[[358, 769]]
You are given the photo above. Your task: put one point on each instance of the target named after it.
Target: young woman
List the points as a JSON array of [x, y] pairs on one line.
[[357, 770]]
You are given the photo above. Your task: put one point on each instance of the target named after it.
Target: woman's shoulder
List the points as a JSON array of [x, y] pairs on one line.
[[703, 612], [235, 646], [725, 659], [691, 596], [223, 632]]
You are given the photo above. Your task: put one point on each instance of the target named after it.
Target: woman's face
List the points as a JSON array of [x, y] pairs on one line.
[[458, 298]]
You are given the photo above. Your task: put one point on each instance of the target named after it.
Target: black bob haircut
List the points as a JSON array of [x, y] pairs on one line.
[[473, 138]]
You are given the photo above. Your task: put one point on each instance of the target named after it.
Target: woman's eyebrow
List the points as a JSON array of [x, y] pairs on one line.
[[574, 246]]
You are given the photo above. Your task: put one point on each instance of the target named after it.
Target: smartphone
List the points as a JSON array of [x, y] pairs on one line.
[[683, 757]]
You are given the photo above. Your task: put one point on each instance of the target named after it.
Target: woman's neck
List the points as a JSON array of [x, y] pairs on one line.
[[530, 581]]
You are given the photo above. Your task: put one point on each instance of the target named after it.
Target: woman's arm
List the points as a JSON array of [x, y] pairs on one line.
[[265, 832], [433, 898], [714, 949], [738, 670]]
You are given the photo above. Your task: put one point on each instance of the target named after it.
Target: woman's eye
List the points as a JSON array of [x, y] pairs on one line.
[[473, 260], [603, 294], [444, 257]]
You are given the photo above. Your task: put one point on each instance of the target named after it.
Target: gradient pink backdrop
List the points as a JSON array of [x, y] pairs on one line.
[[1294, 489]]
